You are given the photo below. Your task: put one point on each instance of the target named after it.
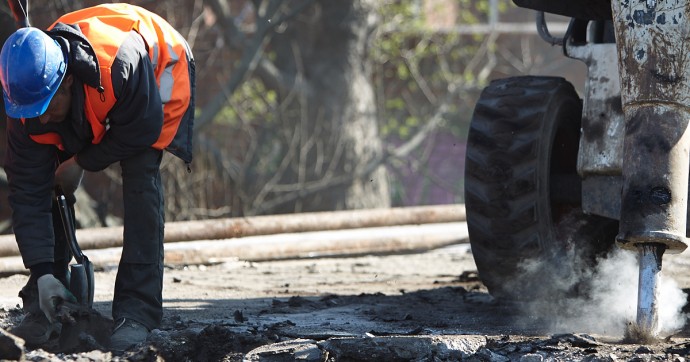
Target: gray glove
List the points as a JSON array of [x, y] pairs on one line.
[[50, 292], [68, 176]]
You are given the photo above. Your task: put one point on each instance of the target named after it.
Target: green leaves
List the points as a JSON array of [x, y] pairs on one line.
[[416, 59], [250, 102]]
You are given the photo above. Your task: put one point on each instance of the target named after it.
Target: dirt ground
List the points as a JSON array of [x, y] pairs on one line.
[[414, 307]]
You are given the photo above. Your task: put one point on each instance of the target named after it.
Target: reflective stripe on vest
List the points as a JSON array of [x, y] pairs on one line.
[[106, 27]]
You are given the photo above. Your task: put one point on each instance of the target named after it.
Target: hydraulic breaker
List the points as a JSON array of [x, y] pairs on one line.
[[654, 65]]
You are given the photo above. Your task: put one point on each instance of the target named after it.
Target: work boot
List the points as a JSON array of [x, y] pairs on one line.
[[35, 328], [127, 333]]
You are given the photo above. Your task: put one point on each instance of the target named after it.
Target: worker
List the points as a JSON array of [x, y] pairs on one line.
[[105, 84]]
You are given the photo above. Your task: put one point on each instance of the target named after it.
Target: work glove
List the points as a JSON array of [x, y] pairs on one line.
[[50, 293], [68, 176]]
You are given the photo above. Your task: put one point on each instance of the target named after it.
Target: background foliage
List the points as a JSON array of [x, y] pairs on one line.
[[429, 61]]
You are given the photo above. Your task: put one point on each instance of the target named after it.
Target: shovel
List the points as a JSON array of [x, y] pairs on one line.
[[80, 318], [81, 281]]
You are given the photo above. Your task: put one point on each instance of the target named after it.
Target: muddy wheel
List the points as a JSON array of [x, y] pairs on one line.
[[528, 234]]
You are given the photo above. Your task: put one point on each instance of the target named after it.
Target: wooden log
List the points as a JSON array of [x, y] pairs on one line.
[[214, 229], [349, 242]]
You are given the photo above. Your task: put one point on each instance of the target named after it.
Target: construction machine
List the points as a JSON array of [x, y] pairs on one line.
[[553, 181]]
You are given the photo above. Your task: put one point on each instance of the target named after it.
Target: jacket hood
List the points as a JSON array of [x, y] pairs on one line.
[[82, 61]]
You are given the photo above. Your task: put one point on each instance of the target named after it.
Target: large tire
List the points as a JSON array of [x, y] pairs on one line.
[[528, 234]]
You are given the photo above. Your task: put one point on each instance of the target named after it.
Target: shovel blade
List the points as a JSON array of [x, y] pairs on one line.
[[79, 284], [88, 269]]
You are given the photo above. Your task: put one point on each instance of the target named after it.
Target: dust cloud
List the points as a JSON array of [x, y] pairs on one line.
[[604, 300]]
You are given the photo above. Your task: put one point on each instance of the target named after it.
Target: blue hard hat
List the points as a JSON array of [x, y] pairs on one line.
[[32, 67]]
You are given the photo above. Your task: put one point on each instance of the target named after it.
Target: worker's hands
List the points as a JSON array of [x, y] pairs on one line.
[[68, 176], [50, 293]]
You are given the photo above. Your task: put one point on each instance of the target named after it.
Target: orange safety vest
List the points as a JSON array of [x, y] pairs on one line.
[[106, 27]]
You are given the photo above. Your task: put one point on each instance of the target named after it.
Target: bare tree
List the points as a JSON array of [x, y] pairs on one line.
[[311, 150]]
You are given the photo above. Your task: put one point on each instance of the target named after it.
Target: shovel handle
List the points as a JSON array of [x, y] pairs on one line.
[[68, 225]]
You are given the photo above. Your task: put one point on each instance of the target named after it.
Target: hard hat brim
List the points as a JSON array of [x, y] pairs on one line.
[[27, 110]]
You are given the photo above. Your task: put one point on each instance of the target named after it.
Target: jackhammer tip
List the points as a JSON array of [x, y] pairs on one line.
[[646, 328], [634, 333]]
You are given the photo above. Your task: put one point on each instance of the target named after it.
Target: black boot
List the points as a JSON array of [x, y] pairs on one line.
[[35, 329]]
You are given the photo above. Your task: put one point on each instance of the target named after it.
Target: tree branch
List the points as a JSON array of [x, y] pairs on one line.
[[252, 57], [310, 188]]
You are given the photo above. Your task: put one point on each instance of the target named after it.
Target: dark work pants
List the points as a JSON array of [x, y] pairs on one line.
[[139, 281]]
